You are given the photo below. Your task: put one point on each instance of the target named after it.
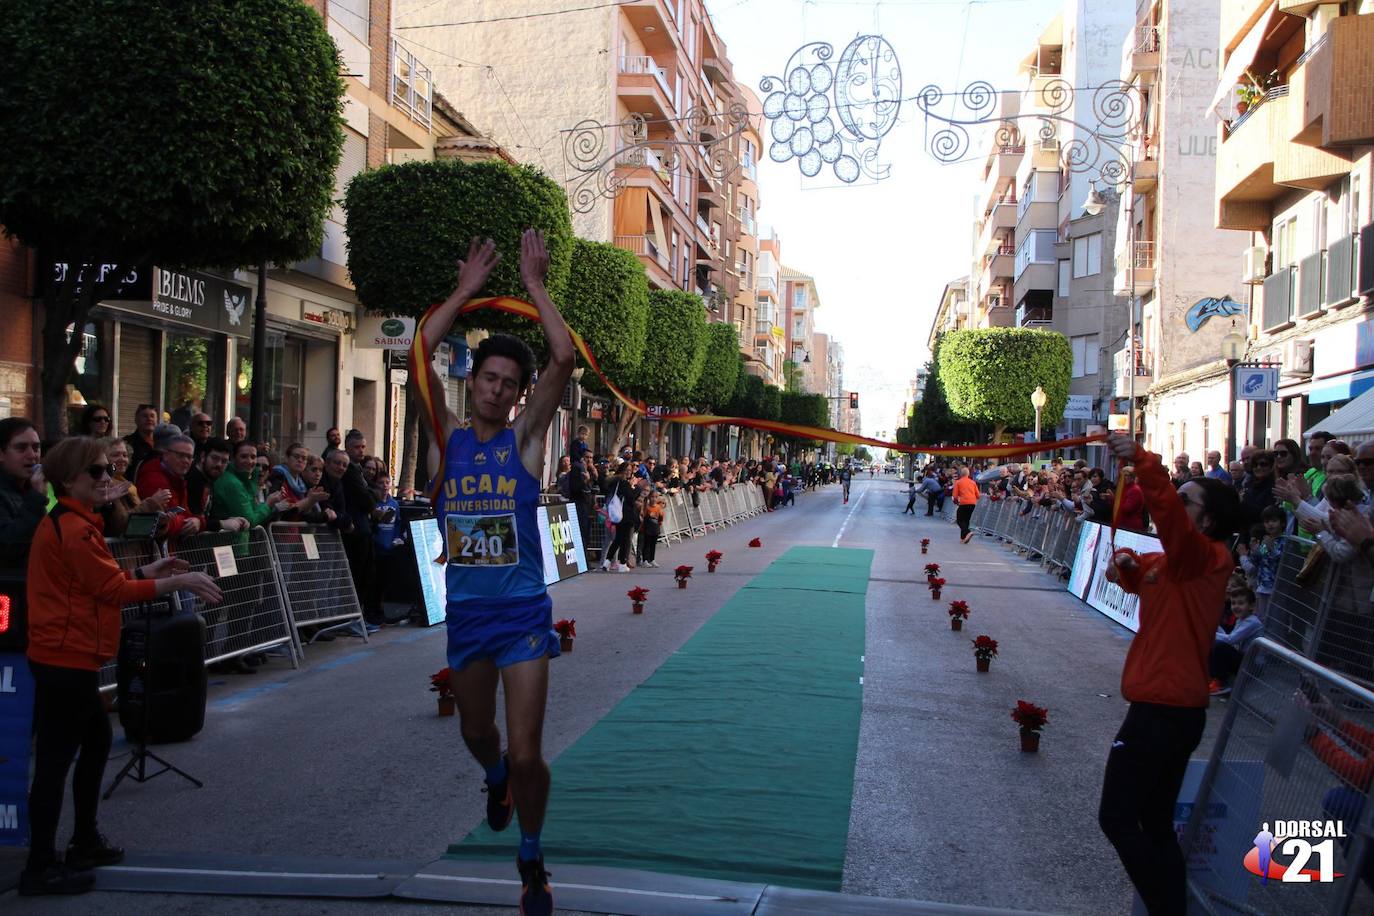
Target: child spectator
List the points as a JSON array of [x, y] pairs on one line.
[[650, 529], [1260, 558], [1229, 648]]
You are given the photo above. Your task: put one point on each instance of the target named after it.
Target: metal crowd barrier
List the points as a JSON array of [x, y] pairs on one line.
[[315, 576], [1294, 745], [130, 555], [681, 520], [1323, 609], [253, 616]]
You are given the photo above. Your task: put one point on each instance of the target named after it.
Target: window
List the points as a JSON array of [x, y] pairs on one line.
[[1085, 353], [1353, 222], [1087, 255], [1319, 223], [1063, 276], [799, 297], [1285, 243]]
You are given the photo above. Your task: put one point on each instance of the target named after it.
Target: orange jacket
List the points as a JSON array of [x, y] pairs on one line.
[[965, 492], [76, 590], [1182, 592]]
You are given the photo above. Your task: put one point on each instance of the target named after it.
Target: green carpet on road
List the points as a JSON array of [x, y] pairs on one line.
[[735, 759]]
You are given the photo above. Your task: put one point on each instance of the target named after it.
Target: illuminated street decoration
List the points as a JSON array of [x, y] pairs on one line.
[[863, 91]]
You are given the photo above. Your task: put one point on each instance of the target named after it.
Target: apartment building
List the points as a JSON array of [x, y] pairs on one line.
[[1293, 179], [1170, 262], [748, 152], [954, 313], [768, 338], [800, 300], [821, 370], [545, 69]]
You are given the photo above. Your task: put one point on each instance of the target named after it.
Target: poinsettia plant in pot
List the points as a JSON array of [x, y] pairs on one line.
[[567, 632], [984, 651], [935, 583], [925, 545], [682, 574], [756, 542], [441, 682], [713, 560], [1031, 718], [638, 595], [958, 613], [932, 570]]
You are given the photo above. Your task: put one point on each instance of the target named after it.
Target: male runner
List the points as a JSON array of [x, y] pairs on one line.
[[846, 475], [500, 618]]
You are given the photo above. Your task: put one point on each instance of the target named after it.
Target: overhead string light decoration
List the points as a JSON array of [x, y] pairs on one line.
[[863, 90], [1102, 146], [601, 158]]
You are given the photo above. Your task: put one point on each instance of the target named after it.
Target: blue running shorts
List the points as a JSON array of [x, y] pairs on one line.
[[508, 634]]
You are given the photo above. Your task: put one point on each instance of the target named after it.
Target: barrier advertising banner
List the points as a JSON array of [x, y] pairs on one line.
[[559, 536], [16, 734], [1088, 578]]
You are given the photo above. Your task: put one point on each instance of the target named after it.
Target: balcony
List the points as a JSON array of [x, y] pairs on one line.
[[644, 88], [1000, 264], [650, 18], [751, 169], [1145, 54], [1029, 315], [1342, 256], [767, 287], [1257, 163], [1145, 172], [1333, 99], [1001, 171], [710, 192], [746, 223], [412, 87], [1279, 288], [996, 223], [655, 262], [1143, 377], [1142, 258]]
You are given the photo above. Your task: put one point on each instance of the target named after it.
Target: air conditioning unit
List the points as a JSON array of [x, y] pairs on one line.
[[1297, 358], [1252, 270]]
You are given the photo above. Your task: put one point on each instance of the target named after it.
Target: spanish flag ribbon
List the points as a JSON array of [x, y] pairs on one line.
[[513, 306]]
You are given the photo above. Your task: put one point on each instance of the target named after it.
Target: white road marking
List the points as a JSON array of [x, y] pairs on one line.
[[564, 885], [852, 509], [233, 873]]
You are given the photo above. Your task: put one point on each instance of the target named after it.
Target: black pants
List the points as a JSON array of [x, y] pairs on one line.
[[648, 540], [1145, 769], [1224, 662], [620, 547], [931, 500], [67, 716], [362, 565], [963, 515]]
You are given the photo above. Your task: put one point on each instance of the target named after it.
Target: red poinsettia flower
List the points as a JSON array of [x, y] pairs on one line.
[[756, 543], [1029, 716], [985, 647], [714, 556], [441, 682], [566, 628], [925, 542], [935, 582], [682, 572], [638, 595], [957, 608], [932, 569]]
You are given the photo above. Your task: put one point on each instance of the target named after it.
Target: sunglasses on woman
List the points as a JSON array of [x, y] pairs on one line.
[[100, 419], [100, 471]]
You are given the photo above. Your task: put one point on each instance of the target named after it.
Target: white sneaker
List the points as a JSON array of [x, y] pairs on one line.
[[624, 569]]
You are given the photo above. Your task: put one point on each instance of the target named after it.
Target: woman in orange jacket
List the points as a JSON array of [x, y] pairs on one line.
[[75, 592], [1182, 592]]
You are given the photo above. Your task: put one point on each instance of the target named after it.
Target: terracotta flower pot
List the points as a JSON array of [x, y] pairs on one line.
[[710, 567], [681, 583], [955, 623], [925, 550], [639, 607], [935, 594], [1030, 741], [447, 706], [983, 664], [565, 644]]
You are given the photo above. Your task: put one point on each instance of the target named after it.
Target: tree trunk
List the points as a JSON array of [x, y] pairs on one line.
[[410, 442], [622, 428], [997, 432]]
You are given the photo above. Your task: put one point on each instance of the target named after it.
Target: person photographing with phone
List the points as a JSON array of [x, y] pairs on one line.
[[1182, 592], [75, 592]]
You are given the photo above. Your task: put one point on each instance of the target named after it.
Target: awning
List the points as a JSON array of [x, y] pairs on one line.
[[1341, 388], [1354, 422], [1242, 57]]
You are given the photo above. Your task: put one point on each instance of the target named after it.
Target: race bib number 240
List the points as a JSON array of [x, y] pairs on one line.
[[483, 540]]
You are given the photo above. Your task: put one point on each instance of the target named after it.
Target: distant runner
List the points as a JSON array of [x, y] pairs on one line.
[[846, 475]]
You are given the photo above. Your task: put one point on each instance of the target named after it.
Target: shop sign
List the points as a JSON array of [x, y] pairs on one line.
[[315, 313], [1257, 383], [1079, 407], [459, 358], [1119, 422], [136, 284], [198, 299], [382, 332]]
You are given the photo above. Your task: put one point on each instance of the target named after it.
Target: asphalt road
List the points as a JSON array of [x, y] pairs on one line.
[[346, 758]]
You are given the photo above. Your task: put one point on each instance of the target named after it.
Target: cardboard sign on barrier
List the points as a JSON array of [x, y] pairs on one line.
[[224, 562], [16, 731], [312, 548]]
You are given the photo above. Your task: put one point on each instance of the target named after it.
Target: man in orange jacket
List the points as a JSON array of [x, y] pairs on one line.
[[1182, 591], [965, 497]]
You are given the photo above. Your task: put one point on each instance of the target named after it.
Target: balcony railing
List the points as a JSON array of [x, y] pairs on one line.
[[1121, 362], [412, 87], [1277, 92], [1278, 298], [1144, 255], [1146, 39], [751, 170], [746, 221], [642, 245], [1341, 258], [703, 225], [1032, 316], [643, 64]]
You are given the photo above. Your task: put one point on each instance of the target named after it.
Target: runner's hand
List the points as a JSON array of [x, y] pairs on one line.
[[534, 258], [476, 267], [1123, 446]]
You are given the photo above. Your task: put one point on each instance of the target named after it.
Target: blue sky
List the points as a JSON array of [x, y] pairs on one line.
[[881, 252]]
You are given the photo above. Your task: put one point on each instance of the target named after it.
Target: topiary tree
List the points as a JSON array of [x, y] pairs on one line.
[[608, 304], [409, 224], [770, 408], [989, 374], [674, 348], [720, 371], [184, 134]]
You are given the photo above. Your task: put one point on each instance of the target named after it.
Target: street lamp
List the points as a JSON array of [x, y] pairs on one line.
[[1038, 401], [1233, 351]]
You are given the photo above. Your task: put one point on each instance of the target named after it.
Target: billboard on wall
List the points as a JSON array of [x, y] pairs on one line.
[[1088, 578]]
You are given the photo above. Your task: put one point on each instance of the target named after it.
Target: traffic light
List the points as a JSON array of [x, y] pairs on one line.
[[853, 400]]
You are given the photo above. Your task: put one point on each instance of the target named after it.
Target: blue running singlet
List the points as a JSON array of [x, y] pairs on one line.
[[495, 567]]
